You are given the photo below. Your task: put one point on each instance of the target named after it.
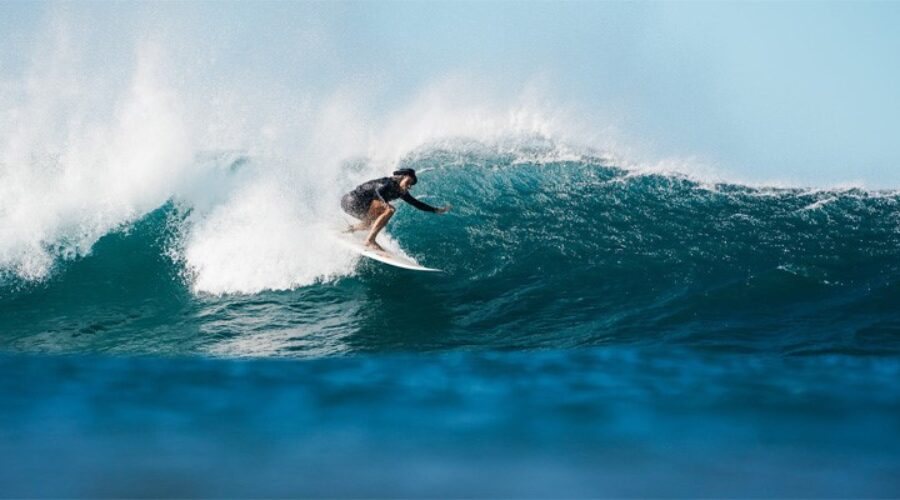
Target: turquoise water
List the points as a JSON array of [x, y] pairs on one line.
[[597, 331]]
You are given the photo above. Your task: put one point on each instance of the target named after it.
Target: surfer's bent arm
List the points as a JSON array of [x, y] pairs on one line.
[[418, 204], [378, 194]]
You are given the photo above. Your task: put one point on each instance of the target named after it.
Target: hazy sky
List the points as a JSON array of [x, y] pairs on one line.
[[803, 92]]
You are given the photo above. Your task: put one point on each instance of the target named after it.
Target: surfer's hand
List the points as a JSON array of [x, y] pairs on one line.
[[444, 209]]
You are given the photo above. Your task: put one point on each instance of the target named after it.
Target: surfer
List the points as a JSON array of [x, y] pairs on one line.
[[370, 202]]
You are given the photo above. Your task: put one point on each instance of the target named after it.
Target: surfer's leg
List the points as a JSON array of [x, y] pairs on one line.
[[382, 213], [368, 216]]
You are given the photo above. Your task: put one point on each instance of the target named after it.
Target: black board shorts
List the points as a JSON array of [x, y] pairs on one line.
[[354, 206]]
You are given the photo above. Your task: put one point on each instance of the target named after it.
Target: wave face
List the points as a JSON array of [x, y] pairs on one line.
[[543, 249]]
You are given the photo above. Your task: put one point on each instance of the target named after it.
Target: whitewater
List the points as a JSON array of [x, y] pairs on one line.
[[170, 294]]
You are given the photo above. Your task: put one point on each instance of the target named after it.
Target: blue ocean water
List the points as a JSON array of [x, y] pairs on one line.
[[597, 331]]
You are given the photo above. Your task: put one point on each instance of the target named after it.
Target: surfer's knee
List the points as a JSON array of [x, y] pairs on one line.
[[386, 211]]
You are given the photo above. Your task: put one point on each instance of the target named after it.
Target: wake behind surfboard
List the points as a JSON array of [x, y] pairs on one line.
[[354, 243]]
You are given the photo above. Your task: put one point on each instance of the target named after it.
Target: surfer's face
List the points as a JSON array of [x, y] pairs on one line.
[[406, 182]]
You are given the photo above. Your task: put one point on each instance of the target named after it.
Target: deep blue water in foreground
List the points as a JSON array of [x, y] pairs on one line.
[[594, 422], [597, 332]]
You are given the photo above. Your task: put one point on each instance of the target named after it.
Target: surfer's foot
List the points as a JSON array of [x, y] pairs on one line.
[[374, 246]]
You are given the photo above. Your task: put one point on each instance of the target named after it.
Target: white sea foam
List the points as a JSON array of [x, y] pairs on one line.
[[74, 166], [262, 238]]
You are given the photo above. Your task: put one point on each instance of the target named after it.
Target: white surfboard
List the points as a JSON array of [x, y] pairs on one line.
[[354, 243]]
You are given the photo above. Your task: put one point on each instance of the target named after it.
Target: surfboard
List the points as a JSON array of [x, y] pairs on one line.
[[354, 243]]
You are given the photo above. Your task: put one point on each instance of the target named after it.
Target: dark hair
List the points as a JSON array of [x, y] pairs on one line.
[[407, 172]]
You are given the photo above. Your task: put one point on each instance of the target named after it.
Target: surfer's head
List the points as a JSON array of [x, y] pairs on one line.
[[406, 177]]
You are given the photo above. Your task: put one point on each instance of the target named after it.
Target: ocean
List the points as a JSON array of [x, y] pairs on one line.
[[598, 329]]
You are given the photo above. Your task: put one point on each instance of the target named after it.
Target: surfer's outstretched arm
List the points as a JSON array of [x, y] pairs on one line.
[[421, 205]]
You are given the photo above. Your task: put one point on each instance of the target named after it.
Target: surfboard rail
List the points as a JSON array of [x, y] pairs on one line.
[[356, 245]]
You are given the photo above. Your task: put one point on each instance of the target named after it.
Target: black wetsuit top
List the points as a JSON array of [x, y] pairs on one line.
[[386, 189]]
